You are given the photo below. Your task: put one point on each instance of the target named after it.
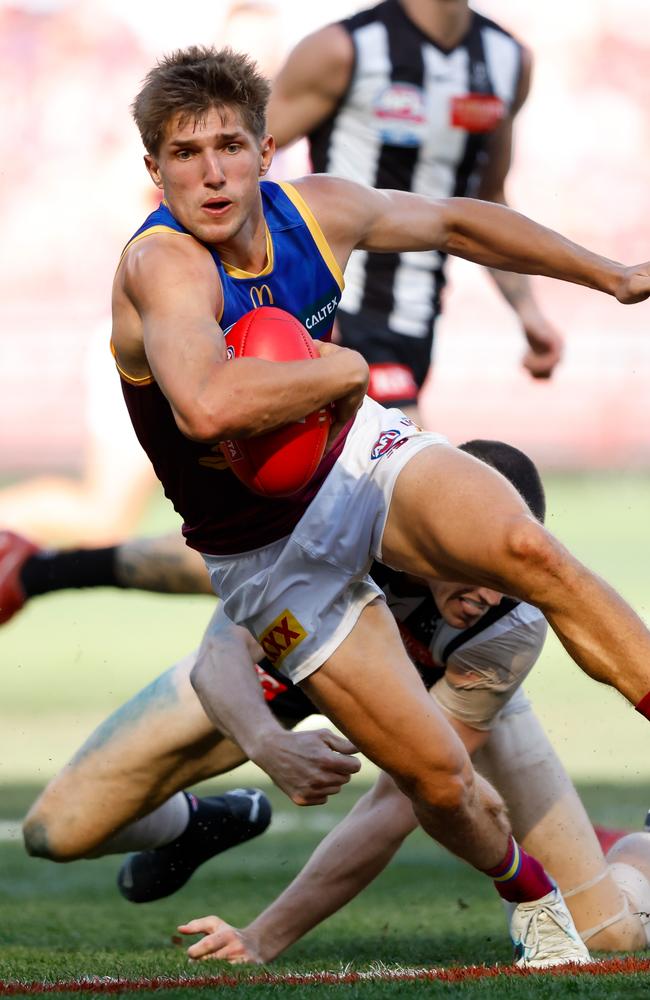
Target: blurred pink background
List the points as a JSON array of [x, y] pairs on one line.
[[73, 189]]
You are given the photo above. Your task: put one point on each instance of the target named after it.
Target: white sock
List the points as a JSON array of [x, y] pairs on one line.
[[161, 826]]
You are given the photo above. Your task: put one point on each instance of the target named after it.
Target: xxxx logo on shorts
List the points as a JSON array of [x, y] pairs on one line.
[[281, 637]]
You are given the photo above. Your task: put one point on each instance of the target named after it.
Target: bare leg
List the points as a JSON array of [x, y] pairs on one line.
[[454, 518], [164, 563], [156, 744], [404, 732], [550, 822]]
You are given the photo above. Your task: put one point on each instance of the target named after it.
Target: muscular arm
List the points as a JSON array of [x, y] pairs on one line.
[[307, 766], [184, 349], [352, 215], [545, 344], [310, 84]]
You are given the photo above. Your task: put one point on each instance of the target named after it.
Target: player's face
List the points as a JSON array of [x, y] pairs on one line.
[[209, 173], [460, 605]]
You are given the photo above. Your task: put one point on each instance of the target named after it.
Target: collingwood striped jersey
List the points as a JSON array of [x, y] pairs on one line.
[[415, 117]]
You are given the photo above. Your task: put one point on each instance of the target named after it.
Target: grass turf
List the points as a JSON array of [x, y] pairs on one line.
[[70, 658]]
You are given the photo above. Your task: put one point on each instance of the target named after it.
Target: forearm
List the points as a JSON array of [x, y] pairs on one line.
[[345, 862], [247, 397], [516, 290], [163, 564], [497, 237], [226, 683]]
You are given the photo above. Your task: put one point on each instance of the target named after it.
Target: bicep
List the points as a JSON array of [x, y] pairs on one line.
[[176, 292]]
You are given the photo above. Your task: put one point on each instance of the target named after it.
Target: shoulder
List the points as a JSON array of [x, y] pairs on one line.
[[156, 254], [345, 210], [328, 52], [336, 198]]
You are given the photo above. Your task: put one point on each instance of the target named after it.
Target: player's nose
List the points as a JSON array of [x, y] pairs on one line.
[[489, 597], [212, 170]]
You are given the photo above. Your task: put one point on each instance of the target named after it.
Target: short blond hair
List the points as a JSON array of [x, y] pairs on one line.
[[189, 82]]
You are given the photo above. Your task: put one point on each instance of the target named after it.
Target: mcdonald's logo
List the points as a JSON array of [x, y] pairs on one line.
[[258, 294]]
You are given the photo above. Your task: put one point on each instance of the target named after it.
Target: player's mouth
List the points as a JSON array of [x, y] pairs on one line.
[[471, 608], [216, 207]]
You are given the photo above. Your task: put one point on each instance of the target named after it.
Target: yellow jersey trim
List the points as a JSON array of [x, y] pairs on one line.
[[142, 380], [237, 272], [317, 233], [149, 232]]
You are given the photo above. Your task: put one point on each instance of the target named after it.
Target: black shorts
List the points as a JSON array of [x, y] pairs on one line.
[[285, 699], [398, 364]]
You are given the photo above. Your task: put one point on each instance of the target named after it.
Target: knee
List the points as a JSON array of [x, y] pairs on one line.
[[446, 789], [42, 838]]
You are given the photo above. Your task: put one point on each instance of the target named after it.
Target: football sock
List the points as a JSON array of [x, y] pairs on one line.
[[62, 569], [215, 824], [643, 706], [519, 878], [163, 825]]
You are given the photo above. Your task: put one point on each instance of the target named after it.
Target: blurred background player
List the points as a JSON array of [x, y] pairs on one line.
[[415, 95]]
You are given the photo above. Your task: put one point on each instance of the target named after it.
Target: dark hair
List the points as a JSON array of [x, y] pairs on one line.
[[191, 81], [517, 467]]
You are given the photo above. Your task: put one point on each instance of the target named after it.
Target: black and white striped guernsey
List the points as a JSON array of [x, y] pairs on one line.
[[414, 117]]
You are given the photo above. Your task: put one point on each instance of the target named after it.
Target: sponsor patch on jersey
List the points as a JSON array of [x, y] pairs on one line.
[[390, 382], [281, 637], [387, 442], [476, 112], [400, 115], [234, 451]]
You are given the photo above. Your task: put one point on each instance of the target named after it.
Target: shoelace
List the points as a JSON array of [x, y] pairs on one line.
[[533, 921]]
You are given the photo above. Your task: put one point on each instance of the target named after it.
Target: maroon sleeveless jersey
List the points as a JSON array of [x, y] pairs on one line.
[[221, 516]]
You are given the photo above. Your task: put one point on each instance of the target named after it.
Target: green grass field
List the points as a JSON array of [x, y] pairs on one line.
[[69, 659]]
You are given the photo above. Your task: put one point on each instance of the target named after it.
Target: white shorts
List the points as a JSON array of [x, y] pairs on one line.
[[302, 595]]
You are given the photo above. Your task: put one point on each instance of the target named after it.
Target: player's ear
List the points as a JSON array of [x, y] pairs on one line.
[[153, 170], [267, 151]]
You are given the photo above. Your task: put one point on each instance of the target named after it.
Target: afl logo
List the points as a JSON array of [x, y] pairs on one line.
[[400, 115], [384, 443], [230, 352]]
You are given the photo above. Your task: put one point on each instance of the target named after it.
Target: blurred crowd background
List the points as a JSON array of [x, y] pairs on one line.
[[73, 189]]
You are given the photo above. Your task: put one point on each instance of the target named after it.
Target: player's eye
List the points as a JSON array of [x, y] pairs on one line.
[[183, 154], [233, 147]]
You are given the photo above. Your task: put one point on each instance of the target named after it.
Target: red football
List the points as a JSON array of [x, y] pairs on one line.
[[281, 462]]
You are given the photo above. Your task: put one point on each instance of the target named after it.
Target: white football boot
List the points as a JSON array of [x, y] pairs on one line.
[[543, 933]]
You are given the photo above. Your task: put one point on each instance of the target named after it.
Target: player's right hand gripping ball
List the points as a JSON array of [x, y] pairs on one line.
[[282, 462]]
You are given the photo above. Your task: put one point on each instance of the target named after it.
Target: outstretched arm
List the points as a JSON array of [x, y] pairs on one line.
[[345, 862], [352, 215]]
